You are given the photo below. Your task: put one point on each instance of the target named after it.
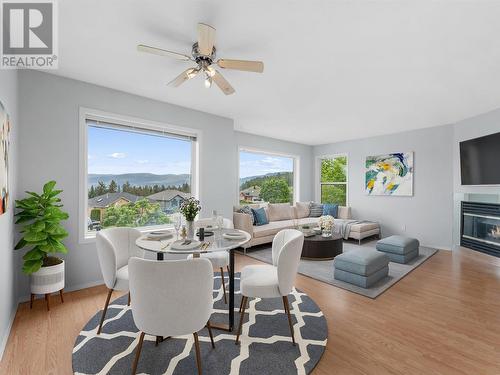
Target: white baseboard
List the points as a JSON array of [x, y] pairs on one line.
[[448, 248], [6, 334], [70, 288]]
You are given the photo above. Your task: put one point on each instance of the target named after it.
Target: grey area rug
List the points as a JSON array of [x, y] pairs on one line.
[[265, 347], [322, 270]]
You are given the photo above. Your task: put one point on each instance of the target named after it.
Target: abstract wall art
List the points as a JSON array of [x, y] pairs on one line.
[[389, 174], [4, 159]]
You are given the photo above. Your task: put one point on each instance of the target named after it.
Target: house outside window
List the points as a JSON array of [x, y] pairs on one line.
[[333, 186]]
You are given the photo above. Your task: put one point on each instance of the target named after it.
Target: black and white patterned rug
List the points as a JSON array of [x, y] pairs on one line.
[[265, 342]]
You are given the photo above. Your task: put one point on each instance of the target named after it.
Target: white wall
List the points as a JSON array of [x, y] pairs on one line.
[[478, 126], [427, 215], [8, 296], [304, 154], [50, 141]]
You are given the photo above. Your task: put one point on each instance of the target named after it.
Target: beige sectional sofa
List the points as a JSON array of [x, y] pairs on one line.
[[283, 216]]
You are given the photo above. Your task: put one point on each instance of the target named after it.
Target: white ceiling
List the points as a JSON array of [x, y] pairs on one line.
[[334, 70]]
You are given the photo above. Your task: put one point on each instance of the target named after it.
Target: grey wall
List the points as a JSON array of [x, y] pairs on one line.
[[473, 127], [303, 152], [428, 214], [8, 295], [50, 142]]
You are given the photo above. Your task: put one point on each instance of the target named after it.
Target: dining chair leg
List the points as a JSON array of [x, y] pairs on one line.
[[128, 303], [47, 298], [157, 340], [241, 304], [31, 300], [137, 353], [209, 327], [198, 355], [242, 315], [287, 310], [223, 284], [61, 295], [104, 311]]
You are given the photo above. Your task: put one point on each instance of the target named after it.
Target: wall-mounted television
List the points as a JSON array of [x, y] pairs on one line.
[[480, 160]]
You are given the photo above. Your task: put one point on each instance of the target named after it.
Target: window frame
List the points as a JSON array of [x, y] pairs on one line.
[[296, 169], [93, 114], [318, 182]]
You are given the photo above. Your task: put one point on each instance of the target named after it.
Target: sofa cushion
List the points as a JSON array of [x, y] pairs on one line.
[[247, 210], [361, 261], [330, 209], [272, 228], [260, 216], [279, 211], [316, 209], [364, 227], [344, 213], [302, 209], [308, 220], [398, 245]]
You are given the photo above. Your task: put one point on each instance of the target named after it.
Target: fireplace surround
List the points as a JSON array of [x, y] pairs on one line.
[[480, 227]]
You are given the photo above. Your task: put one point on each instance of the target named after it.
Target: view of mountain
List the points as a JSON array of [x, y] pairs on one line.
[[257, 180], [140, 179]]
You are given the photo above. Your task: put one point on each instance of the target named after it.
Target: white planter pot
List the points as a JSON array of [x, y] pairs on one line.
[[47, 279]]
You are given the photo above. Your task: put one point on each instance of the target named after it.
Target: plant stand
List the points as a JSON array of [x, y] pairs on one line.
[[47, 299]]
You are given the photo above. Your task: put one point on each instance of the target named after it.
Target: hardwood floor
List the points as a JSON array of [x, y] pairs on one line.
[[443, 318]]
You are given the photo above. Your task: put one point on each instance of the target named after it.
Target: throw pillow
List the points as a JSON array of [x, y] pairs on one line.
[[316, 210], [302, 209], [279, 211], [331, 209], [247, 210], [260, 216]]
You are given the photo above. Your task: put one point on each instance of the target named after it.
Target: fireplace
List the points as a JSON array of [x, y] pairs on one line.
[[480, 228]]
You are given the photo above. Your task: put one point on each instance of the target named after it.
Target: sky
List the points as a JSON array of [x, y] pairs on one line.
[[254, 164], [116, 152]]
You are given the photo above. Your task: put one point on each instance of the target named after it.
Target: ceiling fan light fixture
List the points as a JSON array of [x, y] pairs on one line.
[[208, 81]]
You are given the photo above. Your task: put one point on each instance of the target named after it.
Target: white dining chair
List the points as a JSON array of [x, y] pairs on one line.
[[171, 298], [219, 259], [276, 280], [114, 248]]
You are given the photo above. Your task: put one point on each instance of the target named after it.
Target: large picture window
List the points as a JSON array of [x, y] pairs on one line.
[[136, 176], [266, 177], [333, 179]]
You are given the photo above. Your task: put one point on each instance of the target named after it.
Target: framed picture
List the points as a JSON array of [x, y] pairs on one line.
[[389, 174], [4, 159]]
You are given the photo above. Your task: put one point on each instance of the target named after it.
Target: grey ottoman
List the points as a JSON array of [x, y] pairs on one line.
[[400, 249], [361, 267]]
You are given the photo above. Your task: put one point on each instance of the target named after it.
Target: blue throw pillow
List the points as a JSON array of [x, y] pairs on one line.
[[331, 209], [260, 216]]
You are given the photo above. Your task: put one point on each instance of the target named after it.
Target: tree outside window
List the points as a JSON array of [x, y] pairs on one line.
[[333, 182]]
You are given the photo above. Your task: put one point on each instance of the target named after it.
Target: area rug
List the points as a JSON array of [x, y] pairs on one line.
[[322, 270], [265, 347]]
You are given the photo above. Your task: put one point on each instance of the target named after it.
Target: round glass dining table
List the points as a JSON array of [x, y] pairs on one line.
[[214, 243]]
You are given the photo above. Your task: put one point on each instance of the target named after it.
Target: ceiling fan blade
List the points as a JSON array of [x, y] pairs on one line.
[[248, 66], [206, 39], [222, 83], [184, 76], [162, 52]]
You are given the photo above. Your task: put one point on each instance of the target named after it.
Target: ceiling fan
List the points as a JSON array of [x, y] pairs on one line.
[[203, 54]]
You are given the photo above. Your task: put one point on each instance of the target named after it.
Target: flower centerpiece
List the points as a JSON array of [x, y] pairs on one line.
[[189, 209], [326, 223]]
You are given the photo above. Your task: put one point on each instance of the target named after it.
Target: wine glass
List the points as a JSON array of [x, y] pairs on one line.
[[177, 224]]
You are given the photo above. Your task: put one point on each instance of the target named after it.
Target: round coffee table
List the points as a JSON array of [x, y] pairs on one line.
[[318, 247]]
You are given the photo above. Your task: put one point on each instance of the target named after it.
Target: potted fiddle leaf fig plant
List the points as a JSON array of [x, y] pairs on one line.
[[42, 233]]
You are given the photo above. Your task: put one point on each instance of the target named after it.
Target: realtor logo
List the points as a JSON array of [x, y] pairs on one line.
[[29, 34]]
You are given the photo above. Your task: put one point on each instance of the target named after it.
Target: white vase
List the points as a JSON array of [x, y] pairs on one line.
[[190, 229], [47, 279]]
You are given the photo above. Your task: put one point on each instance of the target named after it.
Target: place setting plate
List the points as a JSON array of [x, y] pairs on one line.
[[185, 245], [159, 235], [234, 235]]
